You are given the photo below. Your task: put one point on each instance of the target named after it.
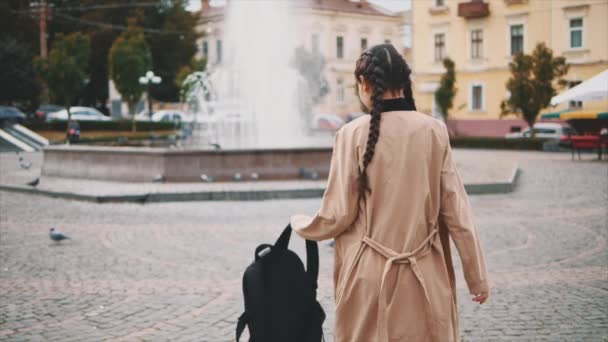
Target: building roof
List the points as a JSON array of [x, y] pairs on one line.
[[348, 6]]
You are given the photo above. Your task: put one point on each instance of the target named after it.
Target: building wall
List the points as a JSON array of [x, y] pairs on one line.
[[328, 25], [543, 21]]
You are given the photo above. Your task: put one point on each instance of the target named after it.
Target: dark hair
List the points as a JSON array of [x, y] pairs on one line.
[[384, 68]]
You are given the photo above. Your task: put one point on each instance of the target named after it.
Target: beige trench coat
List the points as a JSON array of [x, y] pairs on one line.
[[393, 276]]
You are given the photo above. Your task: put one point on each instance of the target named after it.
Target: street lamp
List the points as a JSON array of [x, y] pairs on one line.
[[150, 78]]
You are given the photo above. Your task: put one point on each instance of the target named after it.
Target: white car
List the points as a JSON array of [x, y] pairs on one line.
[[78, 114], [543, 130], [165, 115]]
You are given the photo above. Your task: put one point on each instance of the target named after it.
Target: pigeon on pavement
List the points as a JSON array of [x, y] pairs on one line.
[[25, 166], [35, 182], [158, 178], [206, 178], [57, 236]]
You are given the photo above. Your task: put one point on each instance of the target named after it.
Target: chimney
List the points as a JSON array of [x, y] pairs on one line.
[[205, 7]]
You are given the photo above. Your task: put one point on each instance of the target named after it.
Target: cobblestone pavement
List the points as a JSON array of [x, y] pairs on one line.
[[172, 271]]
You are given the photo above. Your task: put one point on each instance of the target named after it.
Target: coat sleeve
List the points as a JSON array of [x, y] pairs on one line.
[[457, 216], [339, 207]]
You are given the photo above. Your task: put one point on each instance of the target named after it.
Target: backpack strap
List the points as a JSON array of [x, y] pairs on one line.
[[312, 254], [240, 325]]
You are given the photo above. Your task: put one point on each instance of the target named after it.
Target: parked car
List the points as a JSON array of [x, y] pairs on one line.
[[78, 114], [44, 109], [165, 115], [11, 114], [543, 130], [327, 122]]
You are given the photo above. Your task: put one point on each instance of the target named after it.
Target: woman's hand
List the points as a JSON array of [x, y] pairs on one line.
[[481, 298]]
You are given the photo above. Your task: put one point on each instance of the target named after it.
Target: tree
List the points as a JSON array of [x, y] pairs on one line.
[[310, 65], [444, 96], [65, 70], [174, 48], [531, 82], [130, 59], [17, 74]]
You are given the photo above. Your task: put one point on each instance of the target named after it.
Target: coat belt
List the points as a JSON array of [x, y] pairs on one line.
[[392, 258]]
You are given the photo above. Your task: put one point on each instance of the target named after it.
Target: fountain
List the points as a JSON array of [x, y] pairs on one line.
[[250, 115]]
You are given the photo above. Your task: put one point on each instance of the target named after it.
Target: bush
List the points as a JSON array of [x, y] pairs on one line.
[[534, 144], [120, 125]]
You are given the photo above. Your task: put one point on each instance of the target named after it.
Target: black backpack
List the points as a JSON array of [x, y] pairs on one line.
[[281, 296]]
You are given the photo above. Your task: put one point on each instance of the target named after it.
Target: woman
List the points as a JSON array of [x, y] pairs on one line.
[[393, 198]]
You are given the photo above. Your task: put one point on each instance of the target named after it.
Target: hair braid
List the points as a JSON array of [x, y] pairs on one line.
[[376, 76], [384, 68]]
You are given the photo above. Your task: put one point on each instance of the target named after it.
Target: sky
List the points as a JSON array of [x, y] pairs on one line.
[[392, 5]]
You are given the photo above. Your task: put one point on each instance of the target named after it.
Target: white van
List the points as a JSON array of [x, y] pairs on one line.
[[543, 130]]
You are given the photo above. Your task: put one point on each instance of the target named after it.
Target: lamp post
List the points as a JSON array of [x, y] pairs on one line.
[[147, 80]]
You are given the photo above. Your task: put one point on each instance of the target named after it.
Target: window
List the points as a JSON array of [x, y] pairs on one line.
[[218, 47], [407, 36], [340, 47], [439, 3], [340, 91], [576, 33], [476, 44], [517, 39], [477, 97], [315, 43], [574, 104], [205, 49], [439, 47], [363, 44]]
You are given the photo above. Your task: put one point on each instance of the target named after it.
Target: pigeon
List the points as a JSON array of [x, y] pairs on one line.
[[237, 177], [35, 182], [206, 178], [25, 166], [216, 146], [57, 236], [255, 176], [158, 179]]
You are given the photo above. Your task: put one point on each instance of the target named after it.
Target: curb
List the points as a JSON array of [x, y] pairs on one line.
[[245, 195], [494, 188]]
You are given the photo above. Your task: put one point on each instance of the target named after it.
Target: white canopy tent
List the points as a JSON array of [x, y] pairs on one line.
[[595, 88]]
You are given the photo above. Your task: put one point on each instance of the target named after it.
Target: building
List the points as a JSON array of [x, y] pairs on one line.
[[338, 29], [482, 36]]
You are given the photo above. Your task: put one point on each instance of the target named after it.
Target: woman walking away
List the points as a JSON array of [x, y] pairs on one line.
[[392, 201]]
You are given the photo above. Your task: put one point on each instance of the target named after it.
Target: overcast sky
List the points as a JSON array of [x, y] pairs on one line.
[[393, 5]]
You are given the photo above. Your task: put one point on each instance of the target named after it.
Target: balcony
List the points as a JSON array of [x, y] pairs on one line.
[[473, 9]]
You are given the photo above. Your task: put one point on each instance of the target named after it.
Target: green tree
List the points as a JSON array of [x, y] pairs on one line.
[[66, 69], [17, 75], [130, 59], [172, 49], [444, 96], [531, 83]]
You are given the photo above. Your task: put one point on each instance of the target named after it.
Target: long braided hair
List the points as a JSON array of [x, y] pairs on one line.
[[384, 69]]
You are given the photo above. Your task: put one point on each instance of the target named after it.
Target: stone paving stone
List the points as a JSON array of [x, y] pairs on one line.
[[172, 271]]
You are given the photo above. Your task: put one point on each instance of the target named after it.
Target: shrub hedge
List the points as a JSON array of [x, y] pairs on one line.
[[115, 125], [535, 144]]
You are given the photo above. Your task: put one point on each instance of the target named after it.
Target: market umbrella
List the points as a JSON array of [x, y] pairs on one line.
[[595, 88]]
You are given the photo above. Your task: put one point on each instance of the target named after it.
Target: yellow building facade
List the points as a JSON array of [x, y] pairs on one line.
[[482, 36]]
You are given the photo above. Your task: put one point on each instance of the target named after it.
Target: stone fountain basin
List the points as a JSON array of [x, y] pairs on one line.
[[143, 164]]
